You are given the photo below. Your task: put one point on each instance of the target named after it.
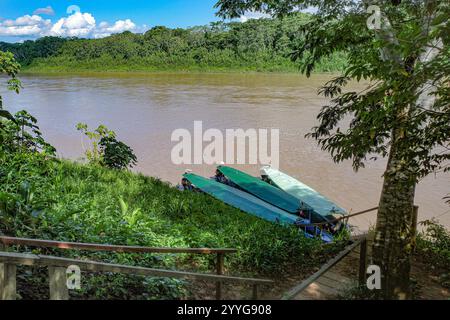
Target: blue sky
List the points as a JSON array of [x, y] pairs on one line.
[[25, 19]]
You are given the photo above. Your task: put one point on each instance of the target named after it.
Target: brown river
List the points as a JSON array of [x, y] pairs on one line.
[[144, 110]]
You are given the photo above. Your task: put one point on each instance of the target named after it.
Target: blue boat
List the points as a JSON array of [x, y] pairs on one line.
[[253, 205]]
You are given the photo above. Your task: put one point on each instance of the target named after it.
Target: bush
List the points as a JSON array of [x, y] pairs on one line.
[[433, 245], [106, 150], [20, 133]]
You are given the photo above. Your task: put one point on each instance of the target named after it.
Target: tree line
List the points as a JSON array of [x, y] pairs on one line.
[[256, 45]]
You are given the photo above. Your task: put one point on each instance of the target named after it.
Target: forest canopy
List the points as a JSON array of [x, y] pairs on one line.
[[256, 45]]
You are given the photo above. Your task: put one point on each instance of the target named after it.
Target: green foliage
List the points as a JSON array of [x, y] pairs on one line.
[[401, 60], [42, 197], [20, 133], [94, 154], [10, 67], [100, 286], [29, 50], [116, 154], [402, 114], [73, 202], [106, 150], [433, 246], [257, 45]]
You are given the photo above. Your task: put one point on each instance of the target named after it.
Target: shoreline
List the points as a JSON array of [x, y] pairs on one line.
[[171, 72]]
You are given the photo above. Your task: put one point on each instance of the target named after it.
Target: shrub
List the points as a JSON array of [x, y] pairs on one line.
[[106, 150]]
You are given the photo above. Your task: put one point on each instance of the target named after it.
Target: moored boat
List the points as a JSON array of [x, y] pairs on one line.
[[252, 205], [318, 202], [262, 190]]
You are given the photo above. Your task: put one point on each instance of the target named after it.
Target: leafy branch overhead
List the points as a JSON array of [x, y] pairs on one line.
[[342, 26]]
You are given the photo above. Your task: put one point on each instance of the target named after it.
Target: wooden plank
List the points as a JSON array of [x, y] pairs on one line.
[[338, 278], [31, 260], [115, 268], [58, 283], [8, 286], [319, 292], [334, 283], [255, 292], [19, 258], [106, 247], [303, 296], [326, 289], [333, 275], [302, 286]]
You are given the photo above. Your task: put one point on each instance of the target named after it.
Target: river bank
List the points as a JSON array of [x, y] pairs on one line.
[[61, 200], [53, 65], [145, 108]]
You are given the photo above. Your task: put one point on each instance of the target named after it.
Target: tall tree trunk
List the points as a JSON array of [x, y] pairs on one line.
[[393, 243]]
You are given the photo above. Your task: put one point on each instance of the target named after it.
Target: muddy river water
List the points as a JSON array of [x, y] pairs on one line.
[[145, 109]]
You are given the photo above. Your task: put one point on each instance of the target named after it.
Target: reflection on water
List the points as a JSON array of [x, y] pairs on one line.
[[144, 109]]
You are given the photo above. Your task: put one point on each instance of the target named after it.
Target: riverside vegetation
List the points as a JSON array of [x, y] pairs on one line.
[[100, 201], [256, 45]]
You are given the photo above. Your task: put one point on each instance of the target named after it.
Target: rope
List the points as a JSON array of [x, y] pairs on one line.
[[339, 219]]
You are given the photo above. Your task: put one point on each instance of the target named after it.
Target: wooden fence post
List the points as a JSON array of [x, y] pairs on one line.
[[3, 247], [219, 271], [58, 283], [8, 281], [255, 292], [363, 262]]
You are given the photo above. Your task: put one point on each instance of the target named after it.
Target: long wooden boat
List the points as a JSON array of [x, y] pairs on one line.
[[318, 202]]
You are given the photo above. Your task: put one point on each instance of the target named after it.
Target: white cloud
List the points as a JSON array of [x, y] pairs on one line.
[[47, 11], [77, 24], [104, 29], [253, 15], [25, 26]]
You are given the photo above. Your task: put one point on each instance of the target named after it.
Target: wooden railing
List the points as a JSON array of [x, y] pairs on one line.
[[56, 265], [363, 241], [291, 294], [345, 217]]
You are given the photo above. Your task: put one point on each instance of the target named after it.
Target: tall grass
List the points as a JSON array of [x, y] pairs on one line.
[[74, 202]]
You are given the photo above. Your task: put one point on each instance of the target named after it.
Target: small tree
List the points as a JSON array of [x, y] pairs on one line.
[[106, 150], [402, 47], [10, 67]]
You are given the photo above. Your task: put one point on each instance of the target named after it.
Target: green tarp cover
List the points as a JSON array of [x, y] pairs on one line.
[[319, 203], [241, 200], [262, 189]]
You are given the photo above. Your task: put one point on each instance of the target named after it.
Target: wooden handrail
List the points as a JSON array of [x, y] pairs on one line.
[[219, 252], [57, 271], [291, 294], [8, 241], [340, 218], [93, 266]]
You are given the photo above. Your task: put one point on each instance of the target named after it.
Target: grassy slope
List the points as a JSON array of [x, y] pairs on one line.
[[91, 204]]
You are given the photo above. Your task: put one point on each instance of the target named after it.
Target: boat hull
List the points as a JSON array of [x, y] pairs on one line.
[[319, 203], [249, 203]]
